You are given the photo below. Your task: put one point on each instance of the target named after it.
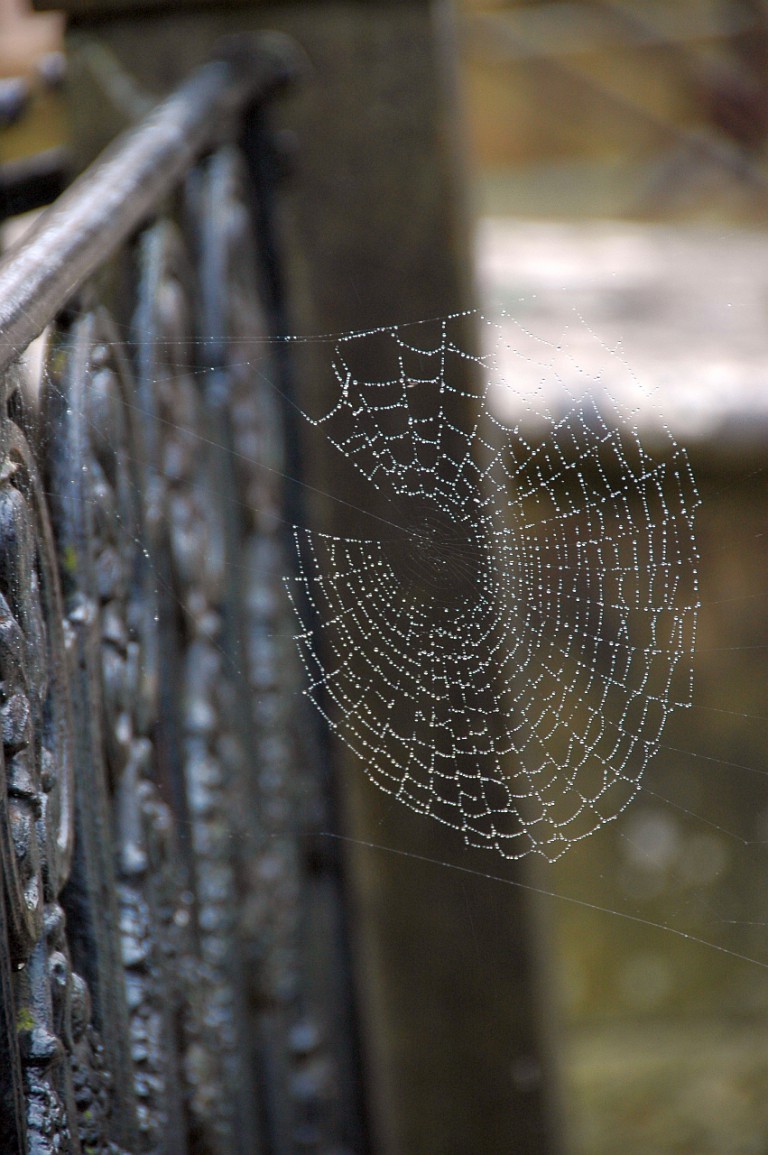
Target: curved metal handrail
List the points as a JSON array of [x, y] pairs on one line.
[[153, 773], [86, 225]]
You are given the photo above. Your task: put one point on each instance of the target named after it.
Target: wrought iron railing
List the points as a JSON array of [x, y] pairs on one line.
[[157, 774]]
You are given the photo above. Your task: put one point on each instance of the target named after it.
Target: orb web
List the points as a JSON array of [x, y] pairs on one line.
[[503, 651]]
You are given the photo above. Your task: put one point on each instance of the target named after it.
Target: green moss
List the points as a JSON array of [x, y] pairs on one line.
[[24, 1020], [69, 560]]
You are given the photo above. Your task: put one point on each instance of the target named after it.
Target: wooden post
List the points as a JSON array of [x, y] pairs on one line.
[[447, 959]]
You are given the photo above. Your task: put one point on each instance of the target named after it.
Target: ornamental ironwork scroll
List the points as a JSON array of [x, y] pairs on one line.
[[153, 786]]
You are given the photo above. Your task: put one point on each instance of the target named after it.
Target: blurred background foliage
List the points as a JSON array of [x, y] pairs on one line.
[[634, 108], [618, 168]]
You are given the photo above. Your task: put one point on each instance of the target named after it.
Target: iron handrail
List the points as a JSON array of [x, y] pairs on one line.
[[154, 765], [88, 222]]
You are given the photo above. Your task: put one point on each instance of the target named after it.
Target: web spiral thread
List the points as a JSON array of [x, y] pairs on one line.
[[504, 652]]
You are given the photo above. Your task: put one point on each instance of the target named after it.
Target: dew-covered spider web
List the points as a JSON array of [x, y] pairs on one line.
[[503, 643]]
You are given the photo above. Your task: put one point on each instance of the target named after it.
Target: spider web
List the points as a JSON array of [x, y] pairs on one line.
[[503, 654]]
